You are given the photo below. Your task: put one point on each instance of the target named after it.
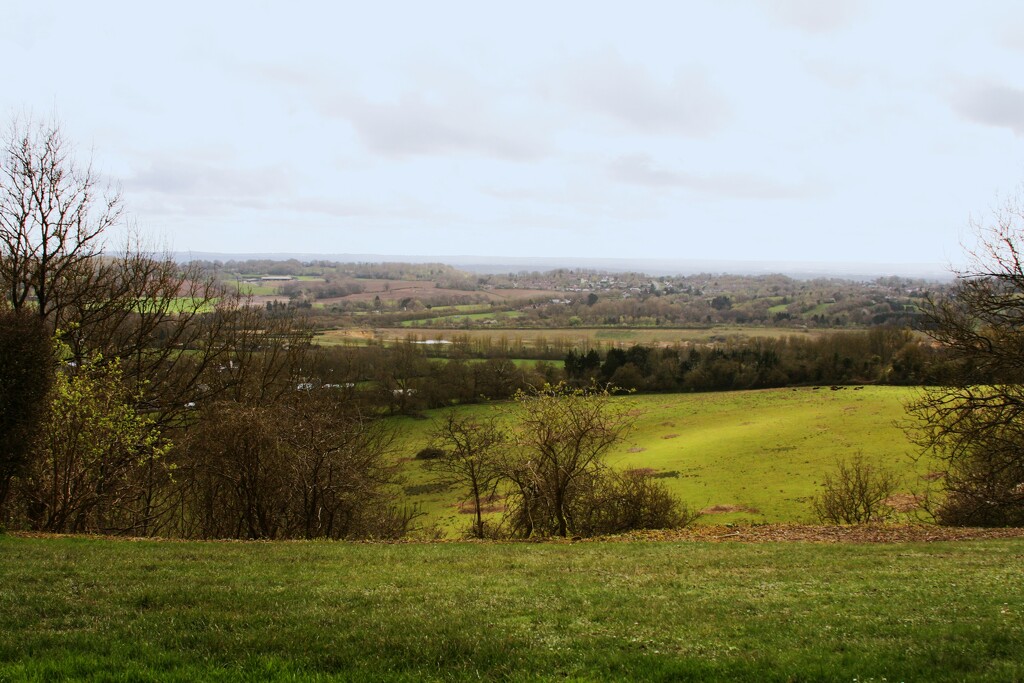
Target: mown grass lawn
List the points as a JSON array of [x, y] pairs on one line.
[[77, 608]]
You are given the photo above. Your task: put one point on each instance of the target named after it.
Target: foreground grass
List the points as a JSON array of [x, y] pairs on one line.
[[116, 610]]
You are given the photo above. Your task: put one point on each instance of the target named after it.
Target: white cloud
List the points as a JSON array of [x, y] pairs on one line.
[[640, 169], [439, 117], [183, 176], [991, 104], [412, 126], [686, 104], [817, 16]]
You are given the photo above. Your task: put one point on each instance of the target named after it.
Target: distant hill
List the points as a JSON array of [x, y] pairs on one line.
[[803, 270]]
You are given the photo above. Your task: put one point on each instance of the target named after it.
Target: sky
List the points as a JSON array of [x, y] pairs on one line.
[[793, 130]]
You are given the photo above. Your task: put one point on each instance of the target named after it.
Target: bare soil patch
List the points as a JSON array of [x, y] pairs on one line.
[[488, 505], [903, 502], [722, 509]]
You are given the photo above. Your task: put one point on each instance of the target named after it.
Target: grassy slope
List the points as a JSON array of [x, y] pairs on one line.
[[99, 609], [764, 451]]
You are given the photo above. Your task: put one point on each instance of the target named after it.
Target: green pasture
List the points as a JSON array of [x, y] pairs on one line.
[[96, 609], [754, 456], [182, 304], [459, 308], [253, 289], [463, 317], [820, 309]]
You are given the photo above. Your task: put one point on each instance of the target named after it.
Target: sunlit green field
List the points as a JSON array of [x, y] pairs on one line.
[[749, 456], [181, 304], [94, 609], [462, 317]]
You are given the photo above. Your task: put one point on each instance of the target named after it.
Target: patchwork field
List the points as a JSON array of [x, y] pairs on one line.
[[579, 337], [754, 456]]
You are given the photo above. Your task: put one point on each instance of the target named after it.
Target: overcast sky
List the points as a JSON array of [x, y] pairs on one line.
[[797, 130]]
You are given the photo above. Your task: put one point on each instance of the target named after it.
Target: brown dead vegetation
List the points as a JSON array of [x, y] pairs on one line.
[[723, 509], [784, 533], [903, 502]]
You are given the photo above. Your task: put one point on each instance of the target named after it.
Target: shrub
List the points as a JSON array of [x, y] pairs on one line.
[[855, 493], [430, 453], [631, 500]]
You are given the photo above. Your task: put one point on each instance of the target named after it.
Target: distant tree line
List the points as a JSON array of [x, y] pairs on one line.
[[877, 356]]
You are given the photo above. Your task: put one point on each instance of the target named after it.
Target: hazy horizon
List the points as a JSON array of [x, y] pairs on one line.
[[650, 266], [797, 131]]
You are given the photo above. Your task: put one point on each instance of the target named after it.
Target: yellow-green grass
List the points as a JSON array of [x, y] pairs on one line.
[[820, 309], [767, 451], [182, 304], [99, 609], [754, 456], [463, 317], [252, 289]]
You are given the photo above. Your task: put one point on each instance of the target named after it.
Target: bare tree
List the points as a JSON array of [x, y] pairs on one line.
[[131, 305], [560, 443], [974, 422], [53, 216], [468, 456]]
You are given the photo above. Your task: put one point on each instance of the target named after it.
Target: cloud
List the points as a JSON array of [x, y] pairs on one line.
[[445, 116], [991, 105], [639, 169], [688, 104], [173, 176], [200, 185], [816, 16], [413, 126]]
